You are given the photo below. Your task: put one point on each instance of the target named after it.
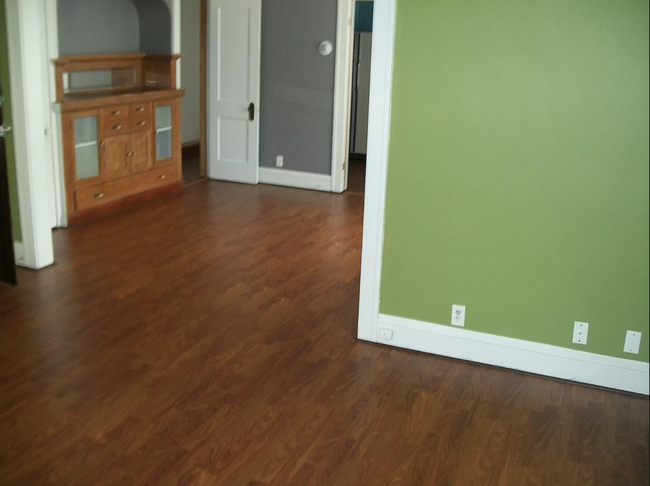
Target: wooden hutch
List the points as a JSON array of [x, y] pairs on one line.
[[121, 128]]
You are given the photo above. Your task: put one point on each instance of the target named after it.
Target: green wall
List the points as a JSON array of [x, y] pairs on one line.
[[518, 171], [6, 109]]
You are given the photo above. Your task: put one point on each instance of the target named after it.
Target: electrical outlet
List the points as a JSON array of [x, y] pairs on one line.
[[580, 333], [279, 161], [633, 342], [386, 334], [458, 315]]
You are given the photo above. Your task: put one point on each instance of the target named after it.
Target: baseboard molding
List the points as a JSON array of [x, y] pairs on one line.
[[540, 359], [292, 178], [19, 253]]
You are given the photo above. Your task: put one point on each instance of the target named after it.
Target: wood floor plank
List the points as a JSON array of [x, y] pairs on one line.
[[208, 338]]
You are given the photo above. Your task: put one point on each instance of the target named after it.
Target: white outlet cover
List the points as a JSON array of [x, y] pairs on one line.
[[458, 315], [581, 333], [633, 342], [279, 161], [386, 334]]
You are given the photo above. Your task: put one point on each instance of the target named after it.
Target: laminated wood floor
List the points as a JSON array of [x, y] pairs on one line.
[[209, 339]]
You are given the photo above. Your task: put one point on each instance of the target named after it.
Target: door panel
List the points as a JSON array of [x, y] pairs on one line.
[[115, 157], [141, 152], [234, 87]]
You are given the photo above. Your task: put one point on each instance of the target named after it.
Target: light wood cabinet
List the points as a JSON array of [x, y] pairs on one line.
[[120, 145]]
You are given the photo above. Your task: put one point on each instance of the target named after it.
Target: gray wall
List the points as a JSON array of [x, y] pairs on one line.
[[114, 26], [297, 97], [155, 26], [98, 27], [191, 69]]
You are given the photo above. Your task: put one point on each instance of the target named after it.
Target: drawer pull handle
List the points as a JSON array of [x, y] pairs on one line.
[[99, 195], [116, 112], [142, 123], [140, 108], [162, 177], [131, 154], [117, 127]]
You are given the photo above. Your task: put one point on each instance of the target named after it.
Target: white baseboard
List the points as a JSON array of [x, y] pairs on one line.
[[541, 359], [19, 253], [293, 178]]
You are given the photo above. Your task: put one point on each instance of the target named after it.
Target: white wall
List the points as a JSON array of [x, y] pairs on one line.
[[190, 68]]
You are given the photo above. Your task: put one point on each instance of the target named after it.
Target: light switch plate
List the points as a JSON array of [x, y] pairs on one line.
[[633, 342]]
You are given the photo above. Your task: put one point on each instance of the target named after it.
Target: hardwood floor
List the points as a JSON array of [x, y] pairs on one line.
[[209, 339]]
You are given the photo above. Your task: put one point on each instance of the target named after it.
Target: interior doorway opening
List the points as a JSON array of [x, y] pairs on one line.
[[360, 95]]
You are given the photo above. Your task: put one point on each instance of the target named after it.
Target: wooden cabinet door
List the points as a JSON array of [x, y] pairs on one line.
[[141, 152], [116, 159]]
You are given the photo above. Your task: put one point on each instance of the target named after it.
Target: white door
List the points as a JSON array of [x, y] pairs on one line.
[[234, 29]]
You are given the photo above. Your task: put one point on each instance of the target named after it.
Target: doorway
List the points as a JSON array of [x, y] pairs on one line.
[[360, 95], [7, 257]]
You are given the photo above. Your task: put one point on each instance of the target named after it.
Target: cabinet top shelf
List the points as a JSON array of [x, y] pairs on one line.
[[80, 79]]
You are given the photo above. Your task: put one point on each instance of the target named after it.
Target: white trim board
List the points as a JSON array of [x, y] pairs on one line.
[[510, 353], [293, 178], [19, 253], [515, 354]]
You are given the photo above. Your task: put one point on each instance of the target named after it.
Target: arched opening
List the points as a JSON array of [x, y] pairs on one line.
[[90, 27]]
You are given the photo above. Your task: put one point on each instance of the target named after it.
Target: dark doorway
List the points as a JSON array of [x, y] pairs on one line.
[[7, 259]]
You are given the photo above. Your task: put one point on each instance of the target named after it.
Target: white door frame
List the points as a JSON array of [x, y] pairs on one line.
[[34, 164], [342, 94], [381, 89]]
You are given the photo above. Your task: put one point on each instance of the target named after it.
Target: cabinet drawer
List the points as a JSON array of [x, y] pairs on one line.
[[92, 197], [137, 109], [142, 122], [115, 128], [112, 114]]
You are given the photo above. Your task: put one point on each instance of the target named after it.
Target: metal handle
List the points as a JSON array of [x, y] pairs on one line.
[[142, 123], [99, 195], [162, 177], [251, 112], [131, 154], [118, 112], [117, 127], [140, 108]]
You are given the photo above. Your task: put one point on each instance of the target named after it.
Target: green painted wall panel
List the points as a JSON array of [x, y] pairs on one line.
[[518, 171], [11, 163]]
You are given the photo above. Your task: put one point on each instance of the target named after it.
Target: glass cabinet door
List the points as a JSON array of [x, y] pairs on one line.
[[164, 132], [86, 147]]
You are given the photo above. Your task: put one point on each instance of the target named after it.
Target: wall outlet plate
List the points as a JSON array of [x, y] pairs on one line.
[[633, 342], [458, 315], [580, 333], [386, 334], [279, 161]]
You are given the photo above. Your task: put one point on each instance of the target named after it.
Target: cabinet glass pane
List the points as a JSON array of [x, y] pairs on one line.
[[163, 117], [164, 144], [87, 161], [86, 147], [85, 130]]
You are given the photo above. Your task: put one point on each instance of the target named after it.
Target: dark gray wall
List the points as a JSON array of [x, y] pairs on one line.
[[114, 26], [97, 27], [155, 26], [297, 97]]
